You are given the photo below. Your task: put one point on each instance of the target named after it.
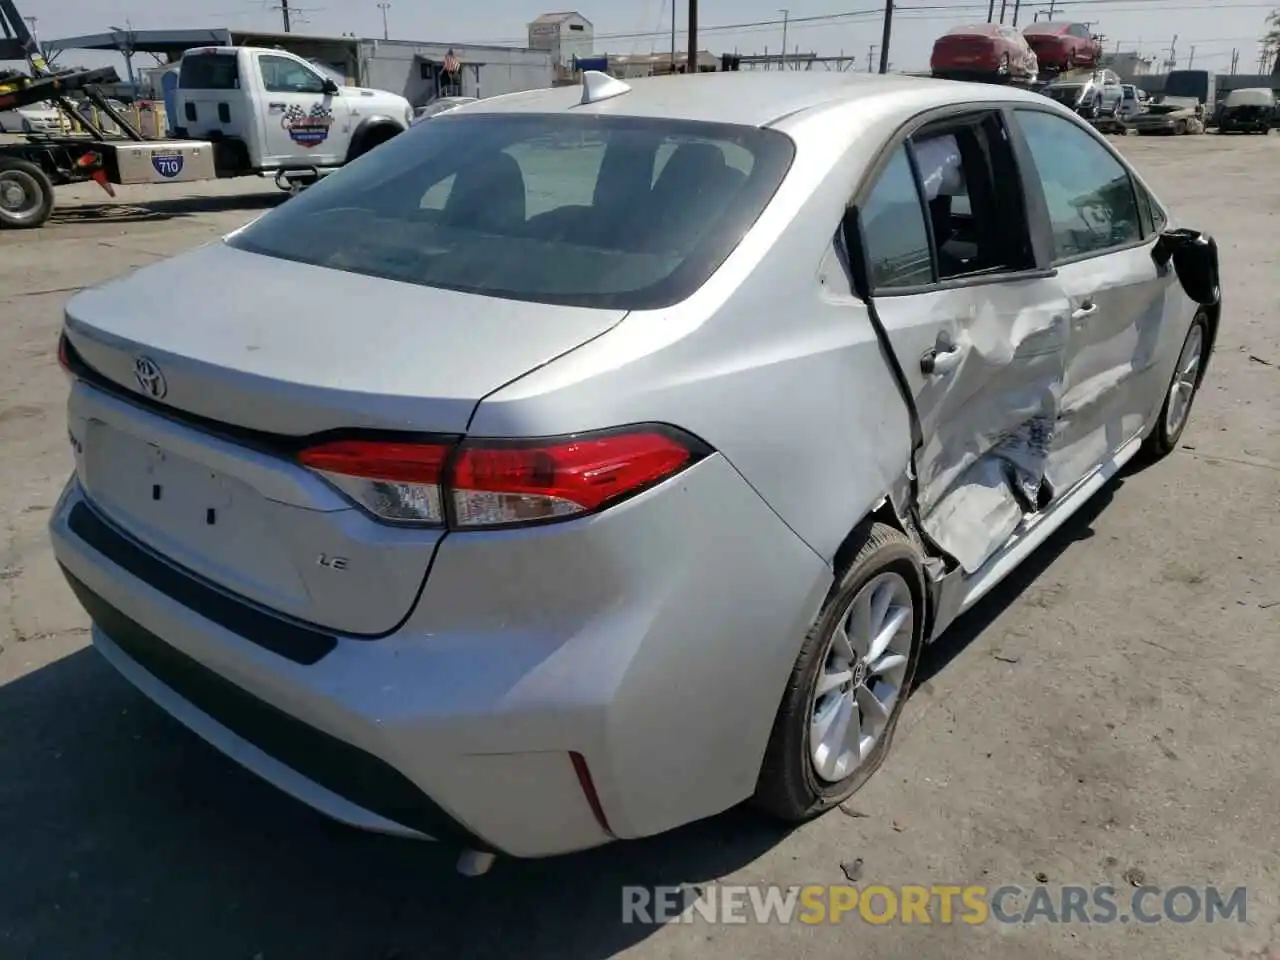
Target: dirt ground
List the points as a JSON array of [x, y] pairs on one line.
[[1109, 717]]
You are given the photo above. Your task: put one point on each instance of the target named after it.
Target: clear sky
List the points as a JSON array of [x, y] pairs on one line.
[[749, 26]]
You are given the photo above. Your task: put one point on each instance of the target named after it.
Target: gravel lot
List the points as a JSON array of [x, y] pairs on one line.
[[1109, 717]]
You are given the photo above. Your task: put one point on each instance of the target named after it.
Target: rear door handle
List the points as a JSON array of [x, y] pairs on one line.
[[1086, 310], [940, 360]]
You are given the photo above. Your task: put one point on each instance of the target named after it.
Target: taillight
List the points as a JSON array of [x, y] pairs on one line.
[[393, 481], [501, 483], [64, 353]]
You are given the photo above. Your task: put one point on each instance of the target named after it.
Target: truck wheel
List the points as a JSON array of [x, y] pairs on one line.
[[374, 138], [26, 195], [1179, 127]]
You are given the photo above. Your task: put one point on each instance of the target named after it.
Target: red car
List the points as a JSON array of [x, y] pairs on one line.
[[1063, 46], [983, 48]]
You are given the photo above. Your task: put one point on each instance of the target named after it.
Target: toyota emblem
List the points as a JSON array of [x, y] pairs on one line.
[[147, 372]]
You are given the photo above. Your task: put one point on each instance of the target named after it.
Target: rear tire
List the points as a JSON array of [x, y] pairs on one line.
[[26, 195], [1181, 393], [863, 650]]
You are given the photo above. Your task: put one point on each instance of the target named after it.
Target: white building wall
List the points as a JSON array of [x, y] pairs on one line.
[[397, 66]]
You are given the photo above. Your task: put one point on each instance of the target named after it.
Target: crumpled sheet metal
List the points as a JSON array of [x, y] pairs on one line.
[[981, 475]]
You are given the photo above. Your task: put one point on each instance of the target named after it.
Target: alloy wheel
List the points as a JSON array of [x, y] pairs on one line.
[[863, 675], [1185, 379]]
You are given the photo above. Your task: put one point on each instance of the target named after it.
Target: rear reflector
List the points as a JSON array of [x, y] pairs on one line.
[[502, 483]]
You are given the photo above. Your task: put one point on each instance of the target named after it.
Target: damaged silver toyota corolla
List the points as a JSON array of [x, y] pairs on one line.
[[586, 461]]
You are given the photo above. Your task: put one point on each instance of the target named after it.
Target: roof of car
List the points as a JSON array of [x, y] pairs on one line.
[[964, 28], [754, 98], [1044, 26]]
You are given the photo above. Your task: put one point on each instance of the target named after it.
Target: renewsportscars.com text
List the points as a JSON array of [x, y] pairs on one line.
[[934, 904]]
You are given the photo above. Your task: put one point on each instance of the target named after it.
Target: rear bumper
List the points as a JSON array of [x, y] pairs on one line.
[[984, 62], [653, 641]]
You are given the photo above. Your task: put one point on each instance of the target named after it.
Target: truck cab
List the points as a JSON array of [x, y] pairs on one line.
[[269, 110]]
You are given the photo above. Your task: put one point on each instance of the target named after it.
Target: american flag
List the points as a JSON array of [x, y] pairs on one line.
[[451, 63]]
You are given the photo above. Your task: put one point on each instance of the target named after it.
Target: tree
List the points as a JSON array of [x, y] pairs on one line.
[[1271, 41]]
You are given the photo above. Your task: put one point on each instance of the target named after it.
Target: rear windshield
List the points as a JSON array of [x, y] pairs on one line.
[[616, 212], [209, 71], [1064, 93]]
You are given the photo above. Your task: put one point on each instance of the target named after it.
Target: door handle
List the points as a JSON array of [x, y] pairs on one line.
[[1086, 310], [940, 360], [275, 106]]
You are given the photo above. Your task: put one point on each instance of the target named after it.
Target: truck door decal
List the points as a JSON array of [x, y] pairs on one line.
[[307, 128]]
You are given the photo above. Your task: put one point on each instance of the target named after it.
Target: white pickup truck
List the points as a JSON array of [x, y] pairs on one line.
[[267, 110]]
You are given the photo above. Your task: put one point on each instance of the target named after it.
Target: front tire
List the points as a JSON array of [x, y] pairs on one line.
[[1187, 375], [849, 684]]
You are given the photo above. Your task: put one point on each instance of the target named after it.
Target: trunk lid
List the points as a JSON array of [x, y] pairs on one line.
[[213, 365]]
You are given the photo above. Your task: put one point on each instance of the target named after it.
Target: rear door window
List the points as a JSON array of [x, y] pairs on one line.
[[894, 229], [614, 212], [209, 71]]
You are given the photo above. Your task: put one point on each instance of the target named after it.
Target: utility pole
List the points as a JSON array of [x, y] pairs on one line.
[[1003, 4], [871, 52], [673, 37], [1052, 6], [384, 6], [1192, 58], [991, 10], [1017, 4], [888, 33], [692, 66], [1235, 59], [284, 15], [785, 15]]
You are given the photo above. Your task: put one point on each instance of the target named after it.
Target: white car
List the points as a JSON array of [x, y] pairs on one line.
[[39, 118]]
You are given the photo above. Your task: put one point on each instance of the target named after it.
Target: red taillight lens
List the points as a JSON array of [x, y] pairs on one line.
[[393, 481], [64, 354], [499, 483], [496, 484]]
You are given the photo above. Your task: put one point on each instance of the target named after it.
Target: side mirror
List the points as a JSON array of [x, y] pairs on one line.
[[1195, 260], [330, 87]]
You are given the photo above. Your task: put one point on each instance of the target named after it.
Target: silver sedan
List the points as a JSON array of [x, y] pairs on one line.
[[587, 461]]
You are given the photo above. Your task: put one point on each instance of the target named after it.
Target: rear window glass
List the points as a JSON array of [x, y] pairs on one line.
[[615, 212], [209, 71]]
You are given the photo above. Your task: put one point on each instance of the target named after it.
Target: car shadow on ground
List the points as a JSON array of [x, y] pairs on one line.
[[157, 211], [969, 626], [124, 836]]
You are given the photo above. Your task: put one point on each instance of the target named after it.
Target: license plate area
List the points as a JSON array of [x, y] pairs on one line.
[[213, 524]]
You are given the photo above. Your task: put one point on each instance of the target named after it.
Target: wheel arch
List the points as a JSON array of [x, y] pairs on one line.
[[371, 132]]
